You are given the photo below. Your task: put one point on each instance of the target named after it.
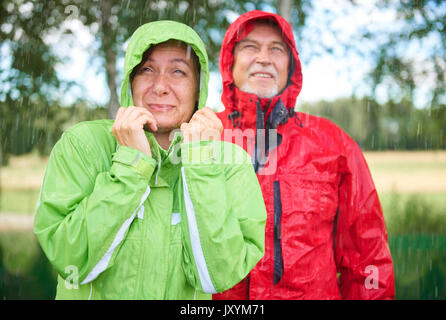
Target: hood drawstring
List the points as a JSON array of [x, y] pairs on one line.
[[232, 116], [279, 115], [292, 113]]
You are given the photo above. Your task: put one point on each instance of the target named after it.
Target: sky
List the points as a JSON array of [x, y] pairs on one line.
[[325, 77]]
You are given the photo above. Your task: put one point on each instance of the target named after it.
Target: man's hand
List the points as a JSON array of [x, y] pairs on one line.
[[129, 128], [204, 125]]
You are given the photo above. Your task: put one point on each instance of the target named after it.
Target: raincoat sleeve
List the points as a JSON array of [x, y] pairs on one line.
[[84, 210], [225, 214], [361, 246]]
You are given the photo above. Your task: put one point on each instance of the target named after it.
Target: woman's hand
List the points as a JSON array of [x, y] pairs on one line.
[[204, 125], [129, 128]]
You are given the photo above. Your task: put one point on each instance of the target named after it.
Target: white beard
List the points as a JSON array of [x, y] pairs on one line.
[[269, 94]]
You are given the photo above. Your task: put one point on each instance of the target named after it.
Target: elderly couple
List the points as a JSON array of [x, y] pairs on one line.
[[119, 219]]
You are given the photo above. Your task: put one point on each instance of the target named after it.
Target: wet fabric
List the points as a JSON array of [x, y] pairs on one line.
[[118, 224], [325, 233]]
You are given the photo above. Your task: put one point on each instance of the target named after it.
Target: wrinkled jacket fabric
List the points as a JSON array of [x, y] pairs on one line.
[[325, 233], [118, 224]]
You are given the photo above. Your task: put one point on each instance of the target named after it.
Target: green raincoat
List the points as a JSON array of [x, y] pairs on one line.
[[118, 224]]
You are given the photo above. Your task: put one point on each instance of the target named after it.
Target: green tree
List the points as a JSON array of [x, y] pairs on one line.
[[421, 27]]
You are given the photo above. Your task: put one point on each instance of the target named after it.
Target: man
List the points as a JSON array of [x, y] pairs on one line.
[[325, 232], [127, 210]]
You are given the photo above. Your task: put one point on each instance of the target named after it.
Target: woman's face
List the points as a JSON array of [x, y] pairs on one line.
[[166, 85]]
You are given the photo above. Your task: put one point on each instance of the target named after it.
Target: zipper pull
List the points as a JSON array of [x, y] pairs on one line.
[[158, 164]]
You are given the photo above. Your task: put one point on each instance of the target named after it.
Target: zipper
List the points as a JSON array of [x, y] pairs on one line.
[[278, 258], [247, 286]]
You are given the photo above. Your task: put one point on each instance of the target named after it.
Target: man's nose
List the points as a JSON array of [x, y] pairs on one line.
[[161, 85], [263, 56]]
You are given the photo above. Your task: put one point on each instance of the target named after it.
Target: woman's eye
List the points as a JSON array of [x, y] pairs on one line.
[[146, 69], [178, 71]]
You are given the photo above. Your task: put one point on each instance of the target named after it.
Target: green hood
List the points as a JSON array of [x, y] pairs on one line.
[[157, 32]]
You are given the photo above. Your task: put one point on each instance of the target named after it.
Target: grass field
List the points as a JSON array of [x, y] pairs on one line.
[[20, 184], [408, 172]]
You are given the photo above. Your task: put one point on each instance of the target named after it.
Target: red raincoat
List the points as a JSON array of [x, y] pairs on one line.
[[325, 232]]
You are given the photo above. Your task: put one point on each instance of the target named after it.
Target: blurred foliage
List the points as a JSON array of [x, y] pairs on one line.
[[25, 272], [391, 126], [420, 26], [34, 125], [415, 215]]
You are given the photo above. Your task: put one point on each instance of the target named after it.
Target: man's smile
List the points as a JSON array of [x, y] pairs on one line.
[[262, 75]]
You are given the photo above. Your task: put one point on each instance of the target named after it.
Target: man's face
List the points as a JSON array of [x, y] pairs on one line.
[[261, 62], [166, 85]]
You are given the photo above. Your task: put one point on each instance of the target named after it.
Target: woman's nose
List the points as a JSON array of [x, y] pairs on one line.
[[161, 85]]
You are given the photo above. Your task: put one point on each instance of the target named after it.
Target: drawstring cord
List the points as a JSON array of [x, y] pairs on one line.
[[236, 114], [292, 113], [232, 116]]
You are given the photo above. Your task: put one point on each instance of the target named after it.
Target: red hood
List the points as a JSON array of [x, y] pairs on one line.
[[236, 32]]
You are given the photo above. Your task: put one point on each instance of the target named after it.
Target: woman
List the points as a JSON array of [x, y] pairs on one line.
[[127, 210]]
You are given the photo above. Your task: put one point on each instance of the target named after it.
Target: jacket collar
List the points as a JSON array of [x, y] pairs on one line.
[[244, 113], [159, 154]]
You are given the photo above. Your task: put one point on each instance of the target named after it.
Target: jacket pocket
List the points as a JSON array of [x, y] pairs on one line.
[[308, 209], [310, 194]]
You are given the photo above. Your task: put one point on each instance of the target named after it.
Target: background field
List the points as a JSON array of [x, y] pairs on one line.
[[398, 174], [411, 186]]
